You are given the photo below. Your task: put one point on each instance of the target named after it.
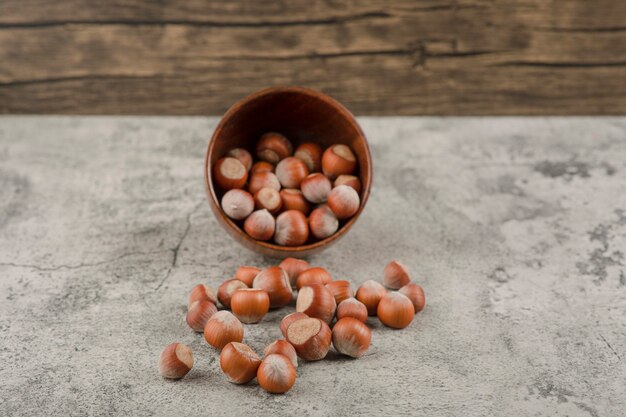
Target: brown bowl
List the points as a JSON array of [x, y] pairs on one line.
[[301, 115]]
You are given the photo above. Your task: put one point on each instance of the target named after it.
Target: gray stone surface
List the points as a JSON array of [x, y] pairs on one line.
[[516, 228]]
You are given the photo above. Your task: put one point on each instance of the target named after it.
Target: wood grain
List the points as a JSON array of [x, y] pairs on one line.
[[376, 57]]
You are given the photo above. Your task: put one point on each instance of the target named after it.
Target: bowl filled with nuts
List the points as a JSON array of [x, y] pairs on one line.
[[288, 171]]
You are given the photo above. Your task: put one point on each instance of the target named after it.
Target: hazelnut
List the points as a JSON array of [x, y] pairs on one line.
[[282, 347], [340, 289], [315, 188], [351, 337], [323, 222], [291, 171], [239, 362], [396, 310], [229, 173], [242, 155], [288, 319], [315, 275], [292, 228], [261, 166], [175, 361], [223, 328], [294, 200], [275, 281], [263, 180], [370, 293], [352, 307], [226, 290], [246, 274], [276, 374], [338, 160], [316, 301], [310, 337], [268, 198], [199, 313], [250, 305], [260, 225], [395, 275], [202, 292], [350, 181], [415, 294], [237, 204], [293, 267], [272, 147], [311, 154], [343, 201]]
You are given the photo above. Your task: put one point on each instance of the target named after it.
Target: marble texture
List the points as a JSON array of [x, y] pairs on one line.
[[516, 228]]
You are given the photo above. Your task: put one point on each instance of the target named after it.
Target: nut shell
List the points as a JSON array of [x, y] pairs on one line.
[[291, 171], [292, 228], [222, 328], [229, 173], [288, 319], [370, 293], [275, 282], [260, 225], [261, 166], [395, 275], [175, 361], [415, 293], [199, 313], [239, 362], [344, 201], [316, 301], [351, 337], [396, 310], [276, 374], [352, 308], [242, 155], [315, 188], [349, 180], [272, 147], [311, 154], [250, 305], [263, 180], [237, 204], [294, 200], [282, 347], [340, 289], [323, 222], [338, 160], [227, 289], [246, 274], [268, 198], [293, 267], [310, 337], [202, 292], [315, 275]]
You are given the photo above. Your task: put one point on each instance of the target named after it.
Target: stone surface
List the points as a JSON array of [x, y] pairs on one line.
[[515, 227]]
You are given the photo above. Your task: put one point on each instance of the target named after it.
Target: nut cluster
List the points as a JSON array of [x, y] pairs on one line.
[[327, 312], [289, 197]]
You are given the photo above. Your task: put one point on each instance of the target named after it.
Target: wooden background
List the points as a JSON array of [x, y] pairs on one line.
[[377, 57]]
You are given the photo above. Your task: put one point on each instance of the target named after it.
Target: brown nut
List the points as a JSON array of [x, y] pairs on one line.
[[275, 281], [294, 200], [291, 171], [202, 292], [395, 275], [175, 361], [315, 275], [222, 328], [396, 310], [338, 160], [250, 305], [276, 374], [269, 199], [227, 289], [351, 337], [199, 313], [239, 362], [315, 188], [293, 267], [316, 301], [282, 347], [343, 201], [246, 274], [415, 294], [263, 180], [310, 337], [352, 308], [237, 204], [311, 154], [340, 289], [288, 319], [260, 225], [272, 147], [370, 293], [350, 181], [229, 173], [242, 155], [323, 222], [292, 228]]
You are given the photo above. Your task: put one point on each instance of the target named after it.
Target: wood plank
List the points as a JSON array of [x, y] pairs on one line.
[[399, 57]]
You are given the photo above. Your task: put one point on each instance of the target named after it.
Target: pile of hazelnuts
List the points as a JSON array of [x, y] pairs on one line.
[[307, 333], [273, 196]]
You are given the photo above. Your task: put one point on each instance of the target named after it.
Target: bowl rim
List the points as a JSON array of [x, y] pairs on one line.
[[365, 192]]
